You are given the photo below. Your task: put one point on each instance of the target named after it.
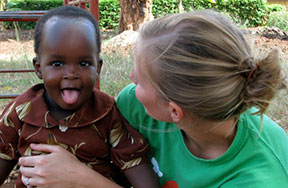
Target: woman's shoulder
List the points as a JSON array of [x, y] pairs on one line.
[[126, 100], [268, 134], [128, 104], [127, 92], [262, 125], [266, 148]]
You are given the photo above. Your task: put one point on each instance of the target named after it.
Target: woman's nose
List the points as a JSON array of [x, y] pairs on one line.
[[132, 76]]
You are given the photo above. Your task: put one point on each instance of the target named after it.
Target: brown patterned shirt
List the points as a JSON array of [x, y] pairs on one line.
[[96, 134]]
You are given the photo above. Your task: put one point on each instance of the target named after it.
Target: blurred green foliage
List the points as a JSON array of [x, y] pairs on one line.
[[250, 13]]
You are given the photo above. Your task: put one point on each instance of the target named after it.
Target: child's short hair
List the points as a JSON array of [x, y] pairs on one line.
[[66, 12]]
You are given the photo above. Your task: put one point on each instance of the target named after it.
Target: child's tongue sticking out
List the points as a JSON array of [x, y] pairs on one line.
[[70, 96]]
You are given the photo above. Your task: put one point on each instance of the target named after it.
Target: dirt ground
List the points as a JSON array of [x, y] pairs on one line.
[[263, 40]]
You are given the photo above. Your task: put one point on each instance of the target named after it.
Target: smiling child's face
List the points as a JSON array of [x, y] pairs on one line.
[[68, 61]]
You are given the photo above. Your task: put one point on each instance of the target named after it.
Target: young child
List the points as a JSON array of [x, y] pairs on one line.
[[65, 110]]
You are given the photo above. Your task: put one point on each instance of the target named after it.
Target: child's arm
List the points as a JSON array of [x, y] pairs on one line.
[[142, 176], [129, 151], [8, 139], [5, 169]]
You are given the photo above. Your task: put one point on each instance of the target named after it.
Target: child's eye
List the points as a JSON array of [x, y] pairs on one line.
[[57, 64], [84, 64]]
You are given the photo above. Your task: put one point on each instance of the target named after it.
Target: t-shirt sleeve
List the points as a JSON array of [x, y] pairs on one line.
[[9, 123], [128, 147]]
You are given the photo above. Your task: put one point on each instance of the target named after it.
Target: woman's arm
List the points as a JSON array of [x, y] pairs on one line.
[[60, 168]]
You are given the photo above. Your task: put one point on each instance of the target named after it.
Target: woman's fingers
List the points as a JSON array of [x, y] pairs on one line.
[[30, 161], [30, 182], [45, 148], [27, 171], [55, 150], [36, 176], [44, 171], [26, 181], [55, 169], [52, 150]]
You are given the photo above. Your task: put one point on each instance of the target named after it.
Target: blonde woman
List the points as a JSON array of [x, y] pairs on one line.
[[199, 98]]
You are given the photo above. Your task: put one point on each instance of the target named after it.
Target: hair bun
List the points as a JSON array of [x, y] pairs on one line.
[[248, 67], [263, 82]]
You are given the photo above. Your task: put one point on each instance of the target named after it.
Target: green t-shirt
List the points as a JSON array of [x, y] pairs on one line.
[[254, 159]]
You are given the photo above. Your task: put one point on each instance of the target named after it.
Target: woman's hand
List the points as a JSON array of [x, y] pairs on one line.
[[59, 168], [56, 168]]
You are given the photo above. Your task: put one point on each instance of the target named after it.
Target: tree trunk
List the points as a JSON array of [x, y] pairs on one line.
[[134, 13], [180, 6], [2, 4]]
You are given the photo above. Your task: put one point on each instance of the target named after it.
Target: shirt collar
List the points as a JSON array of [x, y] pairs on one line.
[[36, 112]]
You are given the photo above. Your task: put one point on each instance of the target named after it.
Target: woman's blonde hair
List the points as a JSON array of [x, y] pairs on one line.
[[202, 62]]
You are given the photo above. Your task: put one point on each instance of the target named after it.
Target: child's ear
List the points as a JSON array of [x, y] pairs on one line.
[[36, 64], [99, 65], [176, 112]]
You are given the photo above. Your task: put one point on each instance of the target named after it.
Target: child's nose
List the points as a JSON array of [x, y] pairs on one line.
[[71, 73]]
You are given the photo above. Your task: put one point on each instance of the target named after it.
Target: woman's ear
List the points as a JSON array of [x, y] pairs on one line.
[[36, 64], [176, 112]]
